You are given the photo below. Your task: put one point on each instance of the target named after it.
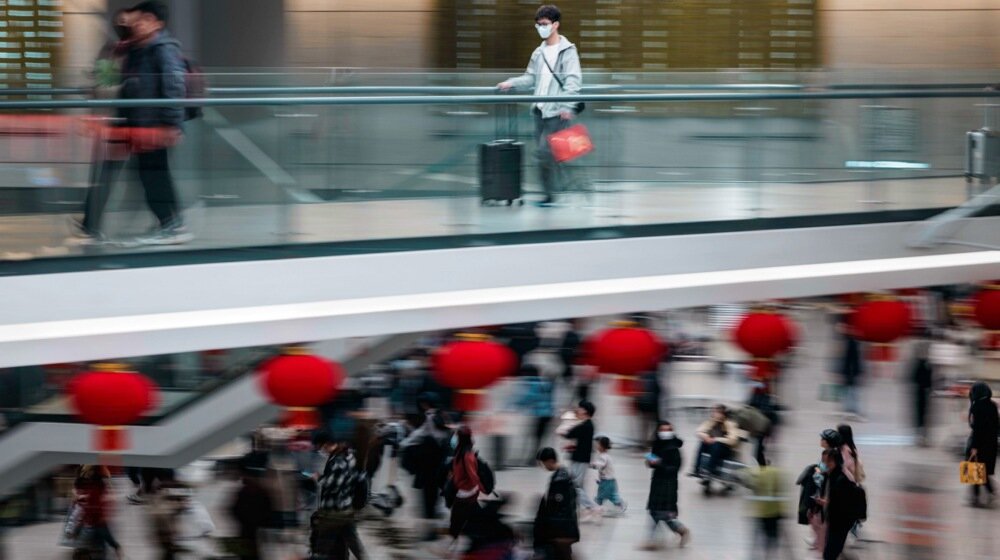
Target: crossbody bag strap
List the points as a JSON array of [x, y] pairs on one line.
[[554, 75]]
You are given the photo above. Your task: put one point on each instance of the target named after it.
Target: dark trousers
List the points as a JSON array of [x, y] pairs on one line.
[[538, 434], [157, 185], [429, 496], [836, 539], [462, 510], [988, 486], [759, 455], [717, 453], [549, 171], [558, 549]]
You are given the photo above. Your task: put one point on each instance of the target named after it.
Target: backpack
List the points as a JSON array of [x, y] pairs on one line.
[[194, 87], [486, 476]]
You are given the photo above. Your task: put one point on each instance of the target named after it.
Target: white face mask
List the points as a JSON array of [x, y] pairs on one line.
[[666, 435], [454, 441], [544, 31]]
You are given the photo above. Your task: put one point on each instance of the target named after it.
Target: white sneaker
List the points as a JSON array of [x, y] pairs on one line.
[[177, 235]]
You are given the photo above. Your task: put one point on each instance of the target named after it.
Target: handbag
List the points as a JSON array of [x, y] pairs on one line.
[[579, 106], [570, 143], [970, 472]]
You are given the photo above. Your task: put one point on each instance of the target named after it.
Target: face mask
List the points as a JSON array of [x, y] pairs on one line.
[[544, 31], [123, 32], [823, 467], [454, 442], [666, 435]]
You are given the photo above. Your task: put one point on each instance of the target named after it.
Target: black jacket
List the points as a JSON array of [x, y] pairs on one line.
[[844, 496], [663, 483], [154, 71], [809, 489], [556, 517], [984, 422]]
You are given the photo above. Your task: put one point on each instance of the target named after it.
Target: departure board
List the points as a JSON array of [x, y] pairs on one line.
[[31, 32], [635, 34]]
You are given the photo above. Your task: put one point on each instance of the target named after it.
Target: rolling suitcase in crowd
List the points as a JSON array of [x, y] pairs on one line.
[[500, 162]]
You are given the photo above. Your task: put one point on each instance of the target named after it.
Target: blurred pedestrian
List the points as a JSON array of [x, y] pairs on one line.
[[424, 452], [581, 448], [465, 477], [607, 484], [719, 439], [334, 525], [664, 459], [853, 468], [982, 445], [252, 509], [92, 487], [535, 397], [647, 402], [922, 379], [556, 528], [767, 509], [166, 509], [851, 369], [839, 501]]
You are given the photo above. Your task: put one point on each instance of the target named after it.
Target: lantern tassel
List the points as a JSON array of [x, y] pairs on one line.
[[627, 385], [302, 417], [880, 352], [991, 342], [468, 400], [111, 438]]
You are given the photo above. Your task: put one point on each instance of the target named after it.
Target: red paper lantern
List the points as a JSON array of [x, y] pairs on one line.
[[111, 398], [987, 313], [764, 335], [881, 322], [625, 350], [470, 364], [300, 382]]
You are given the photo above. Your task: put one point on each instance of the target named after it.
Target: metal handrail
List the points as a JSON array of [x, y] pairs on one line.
[[472, 90], [489, 99]]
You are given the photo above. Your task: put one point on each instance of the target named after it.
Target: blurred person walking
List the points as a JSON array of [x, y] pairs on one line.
[[922, 380], [664, 458], [607, 484], [719, 438], [423, 454], [536, 399], [252, 509], [581, 448], [767, 509], [982, 444], [553, 70], [556, 527], [840, 503], [851, 369], [813, 481], [334, 525], [465, 478], [92, 488]]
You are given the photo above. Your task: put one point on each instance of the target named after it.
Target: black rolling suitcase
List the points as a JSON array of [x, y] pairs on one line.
[[500, 162]]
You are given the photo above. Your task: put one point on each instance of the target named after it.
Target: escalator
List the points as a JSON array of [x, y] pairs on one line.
[[218, 413]]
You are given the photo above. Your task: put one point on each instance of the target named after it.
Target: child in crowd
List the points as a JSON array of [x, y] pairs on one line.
[[607, 486]]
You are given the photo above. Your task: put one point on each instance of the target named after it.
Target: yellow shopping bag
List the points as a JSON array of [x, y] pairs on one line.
[[970, 472]]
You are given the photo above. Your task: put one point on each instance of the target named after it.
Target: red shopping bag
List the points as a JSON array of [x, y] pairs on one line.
[[570, 143]]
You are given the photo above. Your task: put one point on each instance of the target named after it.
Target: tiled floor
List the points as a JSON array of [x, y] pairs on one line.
[[720, 527]]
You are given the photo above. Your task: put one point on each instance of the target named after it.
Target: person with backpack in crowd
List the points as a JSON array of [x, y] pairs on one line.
[[607, 484], [154, 68], [840, 503], [334, 525], [554, 70], [664, 460], [465, 478], [424, 452], [982, 445], [581, 448], [556, 528]]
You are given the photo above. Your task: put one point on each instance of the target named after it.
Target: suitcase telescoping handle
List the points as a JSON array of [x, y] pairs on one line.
[[505, 119]]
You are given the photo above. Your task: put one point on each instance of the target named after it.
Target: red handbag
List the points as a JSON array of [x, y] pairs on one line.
[[570, 143]]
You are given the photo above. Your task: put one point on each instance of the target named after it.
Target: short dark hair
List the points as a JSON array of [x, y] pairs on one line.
[[603, 441], [155, 7], [547, 454], [549, 12], [588, 407], [835, 456]]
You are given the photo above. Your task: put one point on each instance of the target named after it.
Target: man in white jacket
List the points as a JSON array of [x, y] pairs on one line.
[[554, 69]]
